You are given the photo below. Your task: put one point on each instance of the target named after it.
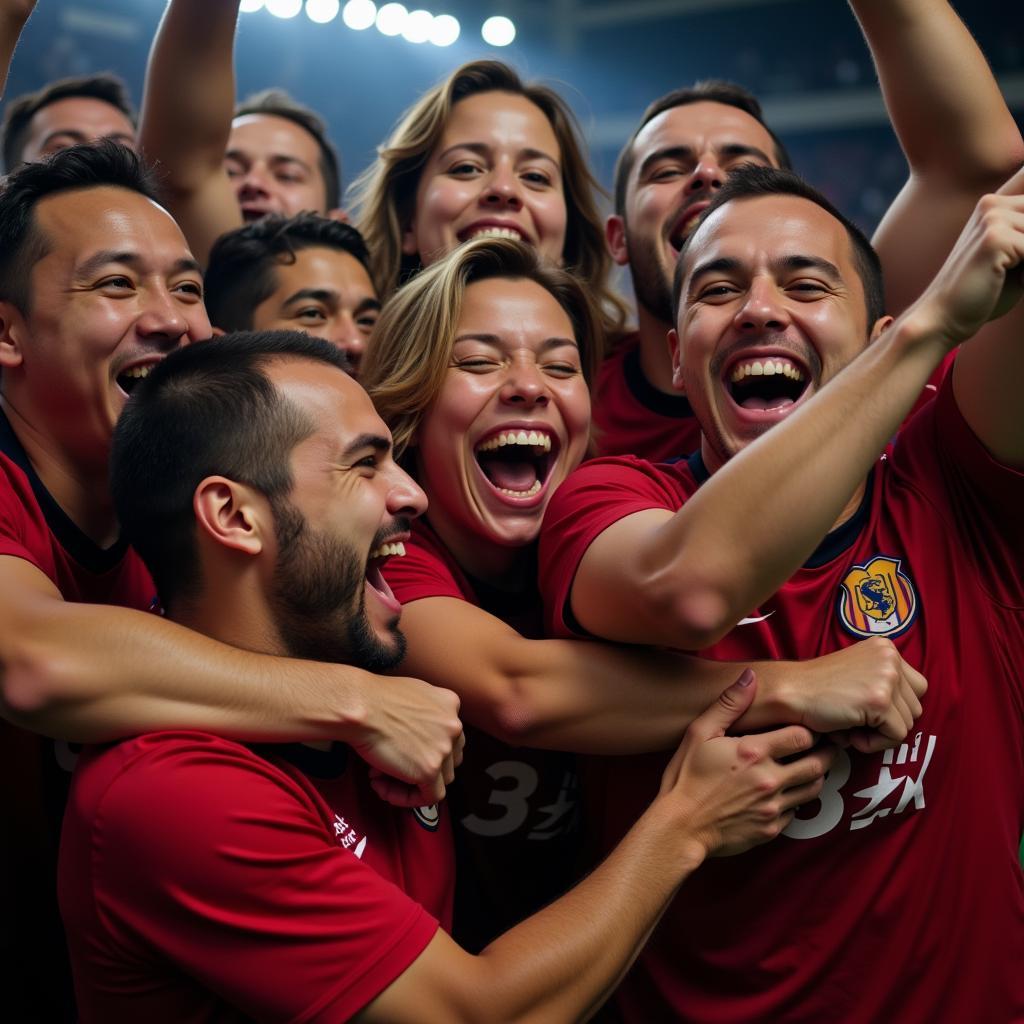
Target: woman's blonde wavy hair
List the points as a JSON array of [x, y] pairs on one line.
[[411, 348], [384, 195]]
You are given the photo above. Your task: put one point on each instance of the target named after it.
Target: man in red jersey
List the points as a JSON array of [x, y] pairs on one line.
[[801, 541], [96, 286], [689, 142], [202, 878]]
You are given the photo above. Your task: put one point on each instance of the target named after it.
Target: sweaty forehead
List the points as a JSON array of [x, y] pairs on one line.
[[85, 115], [764, 228], [267, 135]]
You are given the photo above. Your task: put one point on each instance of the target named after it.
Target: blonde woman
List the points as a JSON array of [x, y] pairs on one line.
[[484, 153], [480, 367]]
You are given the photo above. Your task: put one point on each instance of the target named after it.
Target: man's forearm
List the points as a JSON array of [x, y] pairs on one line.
[[13, 16]]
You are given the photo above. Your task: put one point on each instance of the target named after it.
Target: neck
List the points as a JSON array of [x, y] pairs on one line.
[[655, 357], [81, 486], [504, 568]]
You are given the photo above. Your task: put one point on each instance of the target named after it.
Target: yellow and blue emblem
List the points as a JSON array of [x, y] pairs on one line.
[[877, 598]]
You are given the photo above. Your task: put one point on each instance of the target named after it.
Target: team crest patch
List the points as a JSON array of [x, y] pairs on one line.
[[877, 599], [428, 817]]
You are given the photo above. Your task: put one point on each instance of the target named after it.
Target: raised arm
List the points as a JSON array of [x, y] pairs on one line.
[[693, 574], [95, 673], [13, 16], [187, 108], [605, 699], [952, 124], [563, 962]]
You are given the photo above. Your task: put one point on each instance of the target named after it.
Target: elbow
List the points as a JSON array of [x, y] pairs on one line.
[[514, 717], [695, 615], [30, 684]]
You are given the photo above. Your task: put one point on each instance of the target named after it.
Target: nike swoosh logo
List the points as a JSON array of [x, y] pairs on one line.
[[756, 618]]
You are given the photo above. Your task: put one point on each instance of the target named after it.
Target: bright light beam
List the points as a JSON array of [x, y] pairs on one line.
[[498, 31], [417, 26], [359, 14], [445, 30], [391, 19], [322, 11], [284, 8]]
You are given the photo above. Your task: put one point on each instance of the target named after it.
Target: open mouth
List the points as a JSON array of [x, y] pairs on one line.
[[767, 384], [492, 231], [375, 562], [128, 380], [517, 463], [685, 225], [252, 213]]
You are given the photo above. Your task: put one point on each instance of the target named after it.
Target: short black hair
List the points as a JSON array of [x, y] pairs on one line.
[[207, 409], [751, 182], [711, 90], [20, 111], [242, 268], [22, 244], [278, 103]]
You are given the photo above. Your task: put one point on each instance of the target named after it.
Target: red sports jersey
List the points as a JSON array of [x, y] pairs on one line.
[[202, 880], [632, 417], [34, 772], [897, 896], [516, 810]]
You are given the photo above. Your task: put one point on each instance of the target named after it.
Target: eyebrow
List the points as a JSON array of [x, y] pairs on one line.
[[131, 259], [730, 149], [529, 152], [494, 339], [377, 442], [729, 265]]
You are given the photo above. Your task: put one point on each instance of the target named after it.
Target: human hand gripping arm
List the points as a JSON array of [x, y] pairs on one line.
[[13, 16], [693, 574], [187, 108], [590, 697], [719, 794], [95, 673], [958, 136]]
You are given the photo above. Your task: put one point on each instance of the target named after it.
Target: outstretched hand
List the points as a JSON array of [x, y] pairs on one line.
[[734, 790]]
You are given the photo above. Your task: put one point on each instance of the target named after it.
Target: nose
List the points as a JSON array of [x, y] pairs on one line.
[[707, 176], [350, 339], [762, 309], [524, 386], [252, 184], [405, 498], [503, 188], [162, 322]]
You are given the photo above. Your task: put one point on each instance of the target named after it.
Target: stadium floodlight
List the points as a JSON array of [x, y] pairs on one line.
[[284, 8], [322, 11], [498, 31], [359, 14], [445, 30], [417, 26], [250, 6], [391, 19]]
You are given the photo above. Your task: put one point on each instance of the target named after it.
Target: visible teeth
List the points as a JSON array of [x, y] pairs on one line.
[[533, 439], [768, 368], [498, 233], [528, 493], [137, 372], [396, 548]]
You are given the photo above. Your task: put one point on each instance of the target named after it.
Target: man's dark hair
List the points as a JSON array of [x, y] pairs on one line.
[[20, 111], [709, 91], [22, 243], [207, 409], [753, 182], [243, 263], [279, 104]]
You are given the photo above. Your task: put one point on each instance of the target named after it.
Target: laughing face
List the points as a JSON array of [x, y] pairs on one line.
[[495, 171], [116, 291], [349, 510], [772, 309], [510, 423], [681, 158]]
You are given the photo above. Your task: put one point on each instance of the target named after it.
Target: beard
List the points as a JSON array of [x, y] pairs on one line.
[[652, 286], [318, 598]]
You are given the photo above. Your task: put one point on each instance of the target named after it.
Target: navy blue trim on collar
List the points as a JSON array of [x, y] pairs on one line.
[[311, 761], [86, 552], [836, 541], [677, 406]]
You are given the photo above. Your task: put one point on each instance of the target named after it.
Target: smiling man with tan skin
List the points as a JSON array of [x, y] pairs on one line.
[[304, 273], [271, 885], [689, 142], [788, 534], [224, 166], [97, 285]]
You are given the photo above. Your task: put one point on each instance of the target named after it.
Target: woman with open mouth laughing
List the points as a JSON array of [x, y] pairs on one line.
[[480, 367]]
